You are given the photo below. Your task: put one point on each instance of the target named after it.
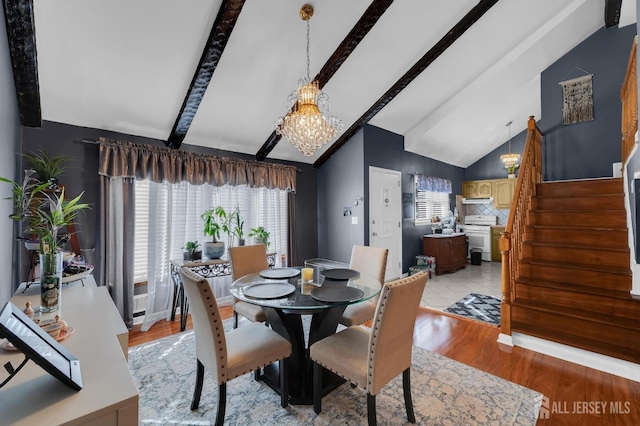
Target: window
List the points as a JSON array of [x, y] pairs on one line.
[[429, 204], [175, 218]]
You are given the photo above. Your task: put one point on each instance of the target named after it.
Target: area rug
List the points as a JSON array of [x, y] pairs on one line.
[[479, 307], [445, 392]]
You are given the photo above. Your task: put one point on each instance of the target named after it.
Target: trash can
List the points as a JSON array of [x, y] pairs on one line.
[[476, 256]]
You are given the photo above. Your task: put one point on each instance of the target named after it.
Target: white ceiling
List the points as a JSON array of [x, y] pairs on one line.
[[126, 66]]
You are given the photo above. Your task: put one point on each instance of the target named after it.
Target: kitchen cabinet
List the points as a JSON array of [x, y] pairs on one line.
[[500, 189], [496, 256], [477, 188], [450, 251], [503, 190]]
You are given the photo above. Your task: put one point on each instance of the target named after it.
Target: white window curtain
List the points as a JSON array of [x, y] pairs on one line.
[[171, 215]]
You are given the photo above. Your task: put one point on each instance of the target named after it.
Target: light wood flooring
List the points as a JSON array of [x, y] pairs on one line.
[[569, 387]]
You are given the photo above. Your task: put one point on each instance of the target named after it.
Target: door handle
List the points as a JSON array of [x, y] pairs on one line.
[[375, 234]]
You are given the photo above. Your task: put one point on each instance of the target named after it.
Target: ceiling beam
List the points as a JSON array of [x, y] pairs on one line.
[[218, 38], [612, 12], [342, 52], [438, 49], [21, 35]]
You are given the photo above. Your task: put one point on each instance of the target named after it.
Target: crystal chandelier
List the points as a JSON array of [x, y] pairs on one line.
[[510, 160], [308, 124]]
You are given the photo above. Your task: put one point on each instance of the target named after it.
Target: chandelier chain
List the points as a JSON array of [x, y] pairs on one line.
[[308, 56]]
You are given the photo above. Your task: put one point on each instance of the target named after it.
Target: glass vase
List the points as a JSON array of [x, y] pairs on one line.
[[50, 281]]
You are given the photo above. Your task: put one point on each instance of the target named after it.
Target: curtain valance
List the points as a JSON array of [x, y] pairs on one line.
[[433, 184], [130, 160]]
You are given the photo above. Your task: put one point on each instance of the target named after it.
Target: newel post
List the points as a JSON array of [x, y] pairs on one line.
[[505, 306]]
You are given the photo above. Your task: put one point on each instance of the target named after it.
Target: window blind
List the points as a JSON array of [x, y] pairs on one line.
[[178, 210], [429, 204]]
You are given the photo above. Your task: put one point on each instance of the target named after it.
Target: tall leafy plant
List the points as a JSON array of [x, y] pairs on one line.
[[44, 212]]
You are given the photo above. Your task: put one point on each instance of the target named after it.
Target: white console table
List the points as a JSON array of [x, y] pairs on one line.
[[109, 395]]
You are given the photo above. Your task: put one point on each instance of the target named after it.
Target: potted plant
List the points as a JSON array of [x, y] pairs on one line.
[[192, 251], [213, 221], [47, 168], [261, 236], [44, 213], [511, 171], [238, 225]]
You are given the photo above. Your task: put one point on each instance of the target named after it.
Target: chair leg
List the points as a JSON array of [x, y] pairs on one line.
[[235, 319], [371, 409], [317, 387], [406, 387], [283, 365], [222, 403], [198, 390], [256, 375]]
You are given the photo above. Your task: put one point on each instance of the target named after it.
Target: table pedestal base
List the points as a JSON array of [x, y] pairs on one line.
[[288, 323]]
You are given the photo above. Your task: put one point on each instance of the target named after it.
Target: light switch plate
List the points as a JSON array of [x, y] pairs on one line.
[[354, 220]]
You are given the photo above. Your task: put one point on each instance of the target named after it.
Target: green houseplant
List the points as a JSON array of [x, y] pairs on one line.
[[192, 251], [511, 170], [48, 168], [260, 235], [214, 221], [44, 212], [237, 225]]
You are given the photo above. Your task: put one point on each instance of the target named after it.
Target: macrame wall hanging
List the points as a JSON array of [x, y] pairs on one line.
[[577, 99]]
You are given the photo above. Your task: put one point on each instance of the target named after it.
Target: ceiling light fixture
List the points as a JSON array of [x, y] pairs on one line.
[[308, 124], [510, 160]]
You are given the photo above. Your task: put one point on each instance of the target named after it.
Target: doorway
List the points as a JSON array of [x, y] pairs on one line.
[[385, 216]]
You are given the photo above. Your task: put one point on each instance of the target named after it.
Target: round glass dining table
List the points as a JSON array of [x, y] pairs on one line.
[[285, 316]]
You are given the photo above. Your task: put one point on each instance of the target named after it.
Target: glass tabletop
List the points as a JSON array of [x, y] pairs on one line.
[[300, 297]]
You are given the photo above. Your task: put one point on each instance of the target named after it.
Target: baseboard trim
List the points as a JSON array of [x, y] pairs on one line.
[[615, 366], [505, 339]]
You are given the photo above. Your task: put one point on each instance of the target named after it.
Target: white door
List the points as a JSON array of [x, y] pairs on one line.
[[385, 216]]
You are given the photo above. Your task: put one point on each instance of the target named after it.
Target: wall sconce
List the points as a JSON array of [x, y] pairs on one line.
[[359, 198]]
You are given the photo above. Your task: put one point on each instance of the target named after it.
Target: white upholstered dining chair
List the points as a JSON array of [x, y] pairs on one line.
[[247, 260], [370, 358], [227, 355], [371, 261]]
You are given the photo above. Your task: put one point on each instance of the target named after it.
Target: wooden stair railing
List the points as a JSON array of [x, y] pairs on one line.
[[629, 97], [511, 239]]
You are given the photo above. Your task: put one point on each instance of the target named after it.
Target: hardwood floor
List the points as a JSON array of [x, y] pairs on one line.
[[576, 394]]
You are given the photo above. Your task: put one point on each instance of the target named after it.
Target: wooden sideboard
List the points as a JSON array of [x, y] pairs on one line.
[[100, 341], [450, 251]]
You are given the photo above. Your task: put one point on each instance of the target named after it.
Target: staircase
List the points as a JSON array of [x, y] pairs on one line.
[[573, 280]]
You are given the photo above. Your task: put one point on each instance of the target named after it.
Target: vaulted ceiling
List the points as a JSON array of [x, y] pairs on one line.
[[448, 75]]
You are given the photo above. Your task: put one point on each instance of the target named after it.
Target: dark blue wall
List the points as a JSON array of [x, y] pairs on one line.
[[82, 175], [340, 180], [587, 149], [385, 149], [9, 166]]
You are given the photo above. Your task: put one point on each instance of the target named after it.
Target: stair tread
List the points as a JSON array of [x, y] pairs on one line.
[[629, 354], [632, 324], [561, 228], [596, 291], [569, 265], [616, 247], [576, 211]]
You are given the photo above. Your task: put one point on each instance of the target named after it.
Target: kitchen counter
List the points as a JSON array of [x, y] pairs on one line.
[[455, 234]]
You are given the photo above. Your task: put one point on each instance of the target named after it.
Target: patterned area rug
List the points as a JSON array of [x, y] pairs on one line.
[[478, 307], [445, 392]]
